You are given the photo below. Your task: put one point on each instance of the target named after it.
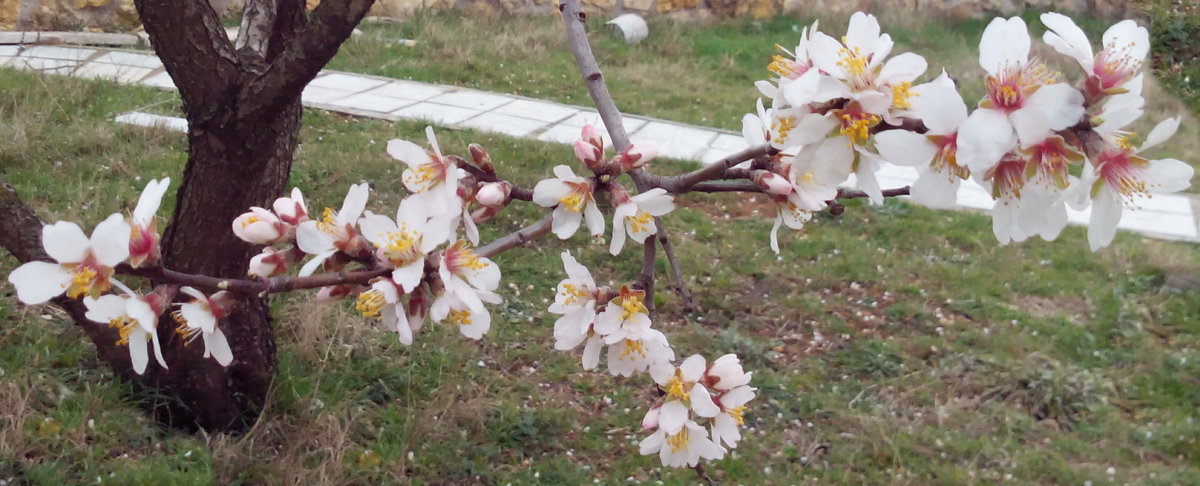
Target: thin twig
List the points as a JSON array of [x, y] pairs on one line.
[[704, 475], [516, 238], [573, 17]]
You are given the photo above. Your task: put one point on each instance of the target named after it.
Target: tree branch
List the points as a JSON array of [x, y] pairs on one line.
[[573, 18], [516, 238], [330, 24], [261, 287], [189, 38]]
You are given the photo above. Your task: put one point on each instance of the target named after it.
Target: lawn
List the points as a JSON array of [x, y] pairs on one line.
[[890, 345]]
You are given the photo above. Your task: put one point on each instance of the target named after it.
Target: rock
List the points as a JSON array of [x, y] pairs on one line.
[[665, 6], [642, 5]]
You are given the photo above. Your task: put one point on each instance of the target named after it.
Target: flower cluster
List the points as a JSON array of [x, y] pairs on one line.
[[574, 197], [1038, 143], [716, 394]]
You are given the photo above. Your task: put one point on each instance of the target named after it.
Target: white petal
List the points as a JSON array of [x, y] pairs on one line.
[[1005, 44], [1106, 213], [934, 190], [110, 241], [904, 67], [38, 282], [1067, 38], [375, 227], [862, 33], [564, 222], [409, 276], [1127, 34], [702, 402], [692, 367], [1161, 132], [594, 218], [902, 147], [939, 105], [157, 350], [312, 240], [591, 353], [1061, 103], [983, 138], [65, 242], [150, 200], [672, 417], [354, 204], [409, 153], [1168, 175], [216, 344], [315, 263], [138, 354], [105, 308]]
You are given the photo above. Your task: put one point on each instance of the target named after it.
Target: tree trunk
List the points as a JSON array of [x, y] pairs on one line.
[[232, 164]]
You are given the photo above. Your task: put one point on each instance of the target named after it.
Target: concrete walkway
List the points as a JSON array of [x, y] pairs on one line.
[[1163, 216]]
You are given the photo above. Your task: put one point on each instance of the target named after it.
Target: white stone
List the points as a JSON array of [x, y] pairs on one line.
[[564, 134], [172, 123], [538, 110], [130, 59], [323, 96], [730, 142], [476, 100], [436, 113], [505, 124], [675, 141], [115, 72], [373, 103], [63, 53], [1166, 224], [347, 82], [160, 80], [47, 66], [9, 51], [406, 90]]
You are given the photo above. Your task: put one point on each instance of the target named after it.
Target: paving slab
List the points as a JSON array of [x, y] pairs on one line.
[[513, 126], [406, 91], [437, 113], [116, 72], [371, 102], [346, 82], [475, 100], [538, 110]]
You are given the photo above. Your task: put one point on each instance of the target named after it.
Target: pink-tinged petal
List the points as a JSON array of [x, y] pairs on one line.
[[314, 264], [216, 345], [902, 147], [1161, 132], [1168, 175], [354, 204], [650, 421], [1005, 44], [672, 416], [433, 143], [409, 153], [409, 276], [902, 68], [470, 229], [193, 293], [803, 90], [139, 356], [150, 200], [105, 308], [1061, 103], [939, 105], [1121, 110], [141, 312], [198, 316], [692, 367], [983, 138], [591, 352], [312, 240], [1127, 34], [564, 222], [1106, 214], [702, 402], [375, 228], [874, 102], [564, 172], [38, 282], [934, 190], [65, 242], [737, 397], [1068, 39]]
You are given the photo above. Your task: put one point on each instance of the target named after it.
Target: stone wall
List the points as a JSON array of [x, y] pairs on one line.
[[119, 14]]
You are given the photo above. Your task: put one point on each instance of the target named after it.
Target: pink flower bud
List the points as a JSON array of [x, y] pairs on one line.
[[592, 136], [773, 183], [636, 156], [143, 246], [617, 195], [587, 153], [493, 194], [335, 292], [267, 264], [259, 226], [291, 209], [650, 421], [482, 159]]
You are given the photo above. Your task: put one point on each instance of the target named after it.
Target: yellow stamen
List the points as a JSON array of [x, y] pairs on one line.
[[640, 222], [369, 303], [632, 305], [675, 388], [632, 347], [571, 293], [460, 317], [326, 224], [189, 334], [572, 202], [1123, 141], [901, 94], [858, 128], [124, 326], [419, 177], [85, 282], [736, 413], [781, 126], [678, 441]]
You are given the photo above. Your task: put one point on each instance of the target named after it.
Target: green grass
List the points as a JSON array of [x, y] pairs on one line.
[[890, 345]]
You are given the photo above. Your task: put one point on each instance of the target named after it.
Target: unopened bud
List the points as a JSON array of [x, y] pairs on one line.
[[589, 154], [335, 292], [650, 421], [636, 156], [291, 210], [773, 183], [592, 136], [482, 159], [617, 195], [483, 213], [267, 264], [258, 226], [493, 194]]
